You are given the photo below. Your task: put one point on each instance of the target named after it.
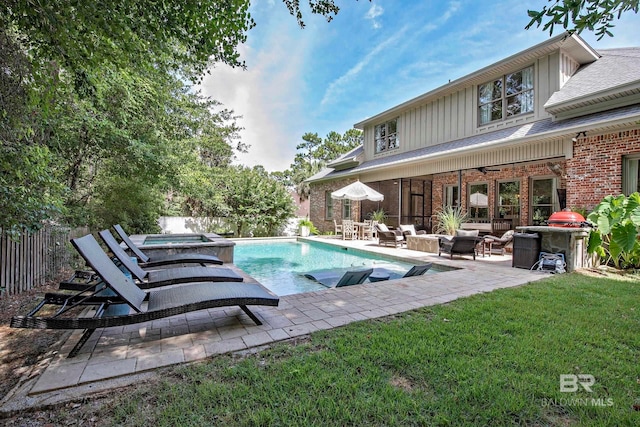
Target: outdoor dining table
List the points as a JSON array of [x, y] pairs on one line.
[[362, 226]]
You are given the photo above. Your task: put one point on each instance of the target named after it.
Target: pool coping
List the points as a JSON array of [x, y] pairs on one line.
[[124, 355]]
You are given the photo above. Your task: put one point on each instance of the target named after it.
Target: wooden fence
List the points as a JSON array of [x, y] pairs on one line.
[[35, 258]]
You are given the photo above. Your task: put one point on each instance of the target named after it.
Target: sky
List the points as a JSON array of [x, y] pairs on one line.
[[372, 56]]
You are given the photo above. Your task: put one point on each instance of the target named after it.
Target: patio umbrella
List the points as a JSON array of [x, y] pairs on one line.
[[478, 200], [357, 191]]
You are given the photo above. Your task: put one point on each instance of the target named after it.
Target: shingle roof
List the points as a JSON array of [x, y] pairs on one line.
[[616, 68], [540, 128]]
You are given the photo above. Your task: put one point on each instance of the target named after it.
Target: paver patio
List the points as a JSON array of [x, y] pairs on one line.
[[119, 355]]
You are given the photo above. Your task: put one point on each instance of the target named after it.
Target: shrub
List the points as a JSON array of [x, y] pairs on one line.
[[615, 238]]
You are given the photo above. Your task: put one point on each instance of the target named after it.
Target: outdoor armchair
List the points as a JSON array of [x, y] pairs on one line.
[[458, 245], [389, 237]]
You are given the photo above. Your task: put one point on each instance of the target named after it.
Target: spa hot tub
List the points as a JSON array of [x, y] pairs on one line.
[[201, 243]]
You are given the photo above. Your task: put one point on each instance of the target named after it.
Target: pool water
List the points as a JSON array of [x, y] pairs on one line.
[[280, 266]]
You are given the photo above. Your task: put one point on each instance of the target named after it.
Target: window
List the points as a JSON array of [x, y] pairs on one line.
[[507, 96], [508, 202], [328, 205], [387, 136], [542, 199], [451, 195], [478, 202], [630, 174], [346, 209]]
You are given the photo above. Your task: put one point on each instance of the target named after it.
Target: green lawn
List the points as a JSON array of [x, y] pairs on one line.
[[493, 359]]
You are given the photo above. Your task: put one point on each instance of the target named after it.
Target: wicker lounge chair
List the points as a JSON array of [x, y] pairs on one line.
[[336, 280], [163, 277], [115, 310], [156, 261]]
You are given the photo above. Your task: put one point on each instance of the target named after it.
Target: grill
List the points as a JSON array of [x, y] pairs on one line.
[[566, 219]]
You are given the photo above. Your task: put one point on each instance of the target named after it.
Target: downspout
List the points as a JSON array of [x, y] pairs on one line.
[[460, 188]]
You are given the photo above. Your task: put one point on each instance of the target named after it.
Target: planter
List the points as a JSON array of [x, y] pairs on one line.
[[305, 231]]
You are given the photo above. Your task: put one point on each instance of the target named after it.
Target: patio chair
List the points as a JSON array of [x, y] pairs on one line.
[[499, 243], [115, 310], [381, 274], [388, 237], [160, 260], [349, 230], [169, 276], [337, 228], [334, 279], [458, 245]]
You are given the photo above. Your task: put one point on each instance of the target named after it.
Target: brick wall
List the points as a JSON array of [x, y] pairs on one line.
[[595, 170], [317, 207]]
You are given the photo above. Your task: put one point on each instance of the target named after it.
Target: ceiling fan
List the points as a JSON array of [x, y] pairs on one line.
[[485, 169]]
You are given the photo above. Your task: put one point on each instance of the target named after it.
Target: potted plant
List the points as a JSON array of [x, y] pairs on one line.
[[306, 227], [379, 215], [449, 219]]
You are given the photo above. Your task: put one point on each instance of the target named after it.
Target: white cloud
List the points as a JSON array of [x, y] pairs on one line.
[[373, 13], [267, 95], [336, 88]]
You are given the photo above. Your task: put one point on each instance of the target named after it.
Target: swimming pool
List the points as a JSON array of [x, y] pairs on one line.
[[281, 265]]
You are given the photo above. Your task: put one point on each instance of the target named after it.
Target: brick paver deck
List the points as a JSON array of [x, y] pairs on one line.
[[117, 355]]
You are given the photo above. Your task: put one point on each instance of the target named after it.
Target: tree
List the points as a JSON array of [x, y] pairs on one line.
[[93, 91], [314, 153], [256, 201], [578, 15]]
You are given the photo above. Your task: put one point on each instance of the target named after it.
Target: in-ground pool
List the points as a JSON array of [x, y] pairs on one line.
[[281, 265]]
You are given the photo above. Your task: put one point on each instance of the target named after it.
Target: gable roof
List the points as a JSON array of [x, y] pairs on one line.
[[611, 81]]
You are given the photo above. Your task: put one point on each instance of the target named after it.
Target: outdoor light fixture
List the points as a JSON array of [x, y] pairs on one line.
[[575, 138]]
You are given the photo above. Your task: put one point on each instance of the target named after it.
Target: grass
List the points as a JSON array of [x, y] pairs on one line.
[[492, 359]]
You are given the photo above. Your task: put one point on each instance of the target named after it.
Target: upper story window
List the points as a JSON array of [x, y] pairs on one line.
[[507, 96], [387, 136]]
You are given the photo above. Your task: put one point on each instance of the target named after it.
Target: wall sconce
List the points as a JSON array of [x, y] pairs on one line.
[[575, 138]]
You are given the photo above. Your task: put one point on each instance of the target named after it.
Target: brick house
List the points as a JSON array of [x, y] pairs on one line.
[[556, 125]]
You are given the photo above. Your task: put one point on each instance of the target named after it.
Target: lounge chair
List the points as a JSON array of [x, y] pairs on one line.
[[459, 245], [170, 276], [336, 280], [385, 274], [157, 261], [499, 243], [115, 310], [389, 237]]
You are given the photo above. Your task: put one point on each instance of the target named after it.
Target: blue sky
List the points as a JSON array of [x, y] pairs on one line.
[[371, 57]]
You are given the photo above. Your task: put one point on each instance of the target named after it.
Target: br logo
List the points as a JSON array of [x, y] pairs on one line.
[[569, 382]]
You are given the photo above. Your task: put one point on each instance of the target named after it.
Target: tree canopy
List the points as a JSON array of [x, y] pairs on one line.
[[577, 16], [96, 105]]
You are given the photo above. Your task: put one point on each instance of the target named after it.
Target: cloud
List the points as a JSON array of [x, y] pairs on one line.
[[373, 13], [267, 95], [336, 88]]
